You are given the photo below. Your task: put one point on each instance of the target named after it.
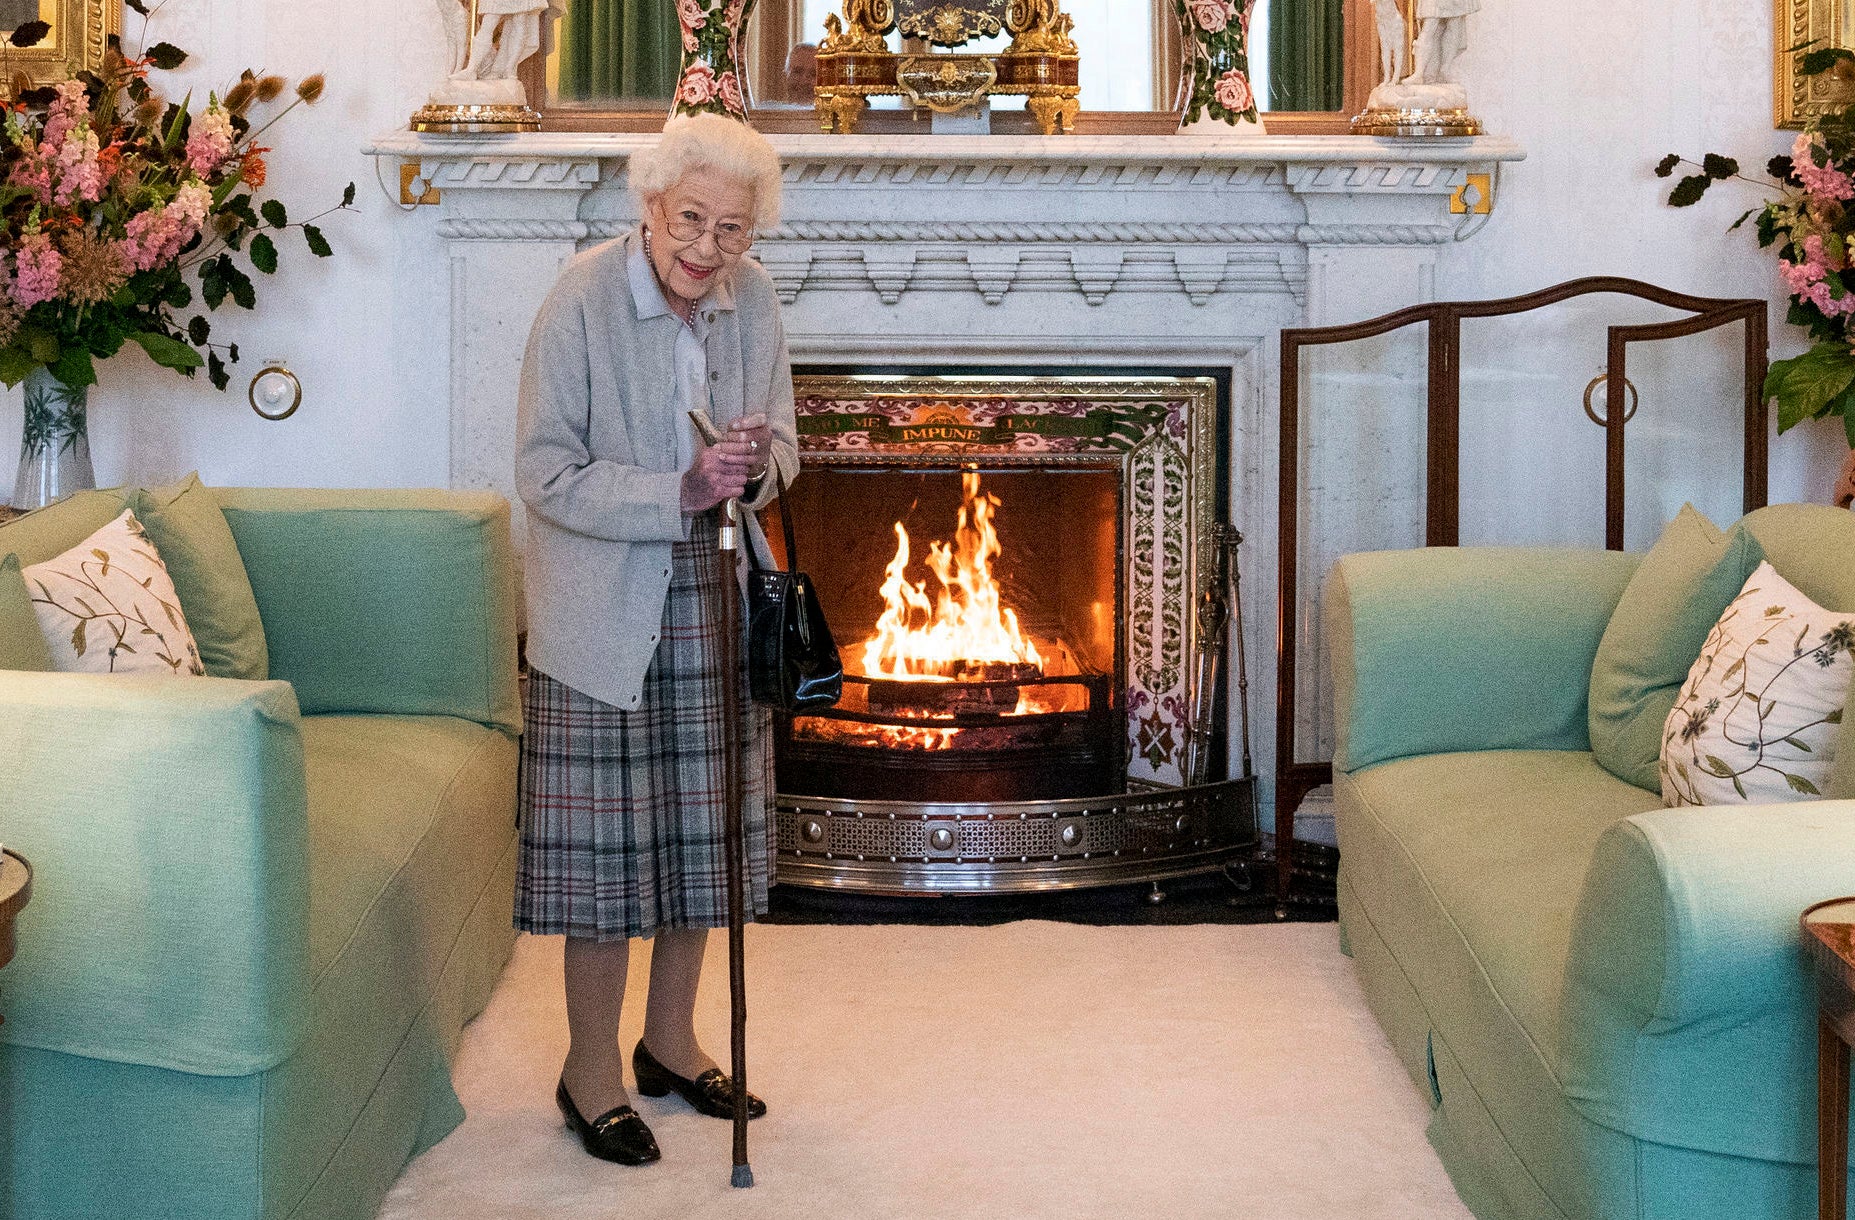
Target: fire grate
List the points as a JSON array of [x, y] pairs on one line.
[[903, 847]]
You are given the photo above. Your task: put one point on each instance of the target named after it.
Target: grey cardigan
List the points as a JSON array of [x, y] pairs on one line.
[[596, 462]]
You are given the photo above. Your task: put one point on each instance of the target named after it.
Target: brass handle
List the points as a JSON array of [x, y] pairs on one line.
[[1628, 414]]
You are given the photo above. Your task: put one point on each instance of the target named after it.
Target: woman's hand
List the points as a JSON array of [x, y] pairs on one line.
[[720, 472], [758, 437]]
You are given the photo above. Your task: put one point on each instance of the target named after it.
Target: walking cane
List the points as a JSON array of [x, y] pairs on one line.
[[734, 832]]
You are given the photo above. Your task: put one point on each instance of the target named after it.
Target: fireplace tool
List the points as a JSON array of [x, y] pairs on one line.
[[734, 828]]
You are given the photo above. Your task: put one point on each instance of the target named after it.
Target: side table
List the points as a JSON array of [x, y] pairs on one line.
[[1829, 930], [15, 893]]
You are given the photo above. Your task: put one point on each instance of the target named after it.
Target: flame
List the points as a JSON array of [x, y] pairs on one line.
[[966, 623]]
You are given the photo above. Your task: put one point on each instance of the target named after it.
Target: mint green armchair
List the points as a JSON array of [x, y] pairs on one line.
[[1607, 1003], [263, 911]]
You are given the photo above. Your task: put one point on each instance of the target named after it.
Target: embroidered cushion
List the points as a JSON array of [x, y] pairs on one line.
[[107, 605], [1758, 718]]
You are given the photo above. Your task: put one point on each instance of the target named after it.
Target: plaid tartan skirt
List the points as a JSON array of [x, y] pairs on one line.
[[621, 813]]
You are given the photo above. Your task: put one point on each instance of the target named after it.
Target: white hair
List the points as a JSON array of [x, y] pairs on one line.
[[709, 141]]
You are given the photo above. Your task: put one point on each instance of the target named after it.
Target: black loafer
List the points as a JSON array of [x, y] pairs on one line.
[[711, 1093], [617, 1135]]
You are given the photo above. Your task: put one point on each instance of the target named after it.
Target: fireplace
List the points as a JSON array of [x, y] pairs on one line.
[[1012, 566]]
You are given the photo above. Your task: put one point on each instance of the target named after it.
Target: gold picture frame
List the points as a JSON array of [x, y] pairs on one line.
[[79, 36], [1824, 23]]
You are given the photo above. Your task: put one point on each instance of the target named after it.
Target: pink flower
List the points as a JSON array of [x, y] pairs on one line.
[[209, 141], [33, 174], [1233, 92], [689, 41], [155, 237], [39, 265], [1211, 15], [698, 85], [79, 174], [1249, 10], [729, 87], [70, 108], [693, 16], [1824, 182]]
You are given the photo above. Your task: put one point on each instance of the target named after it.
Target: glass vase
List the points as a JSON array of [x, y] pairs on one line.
[[54, 452], [711, 81], [1218, 94]]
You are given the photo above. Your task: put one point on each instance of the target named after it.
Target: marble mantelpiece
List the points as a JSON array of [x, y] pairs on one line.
[[1101, 252]]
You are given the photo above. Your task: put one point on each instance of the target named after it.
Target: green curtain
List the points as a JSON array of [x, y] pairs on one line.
[[629, 49], [1306, 65]]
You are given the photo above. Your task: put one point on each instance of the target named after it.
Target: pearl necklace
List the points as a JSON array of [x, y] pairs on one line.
[[689, 318]]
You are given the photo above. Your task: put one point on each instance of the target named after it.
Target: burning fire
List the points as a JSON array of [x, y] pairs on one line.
[[965, 627]]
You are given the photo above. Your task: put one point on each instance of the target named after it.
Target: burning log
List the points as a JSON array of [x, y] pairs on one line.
[[957, 688]]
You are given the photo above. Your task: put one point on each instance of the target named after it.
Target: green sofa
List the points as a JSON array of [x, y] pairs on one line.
[[1606, 1002], [263, 910]]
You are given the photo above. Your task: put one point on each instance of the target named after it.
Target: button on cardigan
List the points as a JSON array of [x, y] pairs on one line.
[[596, 457]]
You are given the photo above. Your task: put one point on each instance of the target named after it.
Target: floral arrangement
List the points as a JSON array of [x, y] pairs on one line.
[[1218, 60], [1812, 228], [711, 78], [112, 198]]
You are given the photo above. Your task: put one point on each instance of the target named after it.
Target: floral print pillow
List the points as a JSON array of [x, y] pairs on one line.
[[107, 606], [1757, 719]]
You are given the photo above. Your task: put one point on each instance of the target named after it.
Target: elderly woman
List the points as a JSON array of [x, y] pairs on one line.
[[621, 791]]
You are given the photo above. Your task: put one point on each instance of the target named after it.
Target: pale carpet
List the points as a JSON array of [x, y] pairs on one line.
[[1025, 1070]]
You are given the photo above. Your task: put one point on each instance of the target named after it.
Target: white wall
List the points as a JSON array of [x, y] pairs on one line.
[[1595, 91]]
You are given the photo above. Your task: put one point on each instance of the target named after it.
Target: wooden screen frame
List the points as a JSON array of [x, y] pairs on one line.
[[1294, 781], [765, 54]]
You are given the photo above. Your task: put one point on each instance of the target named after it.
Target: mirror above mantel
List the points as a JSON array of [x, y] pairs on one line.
[[610, 65]]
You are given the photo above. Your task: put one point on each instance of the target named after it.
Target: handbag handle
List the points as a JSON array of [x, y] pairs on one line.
[[785, 525]]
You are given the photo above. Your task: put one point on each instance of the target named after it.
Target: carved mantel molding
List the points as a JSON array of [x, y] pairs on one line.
[[889, 214]]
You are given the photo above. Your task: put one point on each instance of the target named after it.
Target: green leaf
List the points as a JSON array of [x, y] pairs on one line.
[[199, 330], [1848, 426], [74, 367], [1739, 787], [176, 123], [1834, 717], [1734, 227], [1800, 744], [1718, 167], [1717, 766], [1799, 784], [215, 371], [243, 294], [212, 284], [167, 56], [29, 34], [1689, 190], [167, 352], [264, 253], [318, 244], [15, 363], [1804, 384], [1667, 165], [347, 196], [274, 213], [77, 636]]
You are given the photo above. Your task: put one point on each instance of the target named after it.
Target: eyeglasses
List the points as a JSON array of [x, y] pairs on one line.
[[731, 236]]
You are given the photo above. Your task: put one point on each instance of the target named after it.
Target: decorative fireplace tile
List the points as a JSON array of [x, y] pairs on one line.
[[1162, 432]]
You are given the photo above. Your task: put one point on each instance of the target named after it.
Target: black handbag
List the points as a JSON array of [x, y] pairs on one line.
[[792, 661]]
